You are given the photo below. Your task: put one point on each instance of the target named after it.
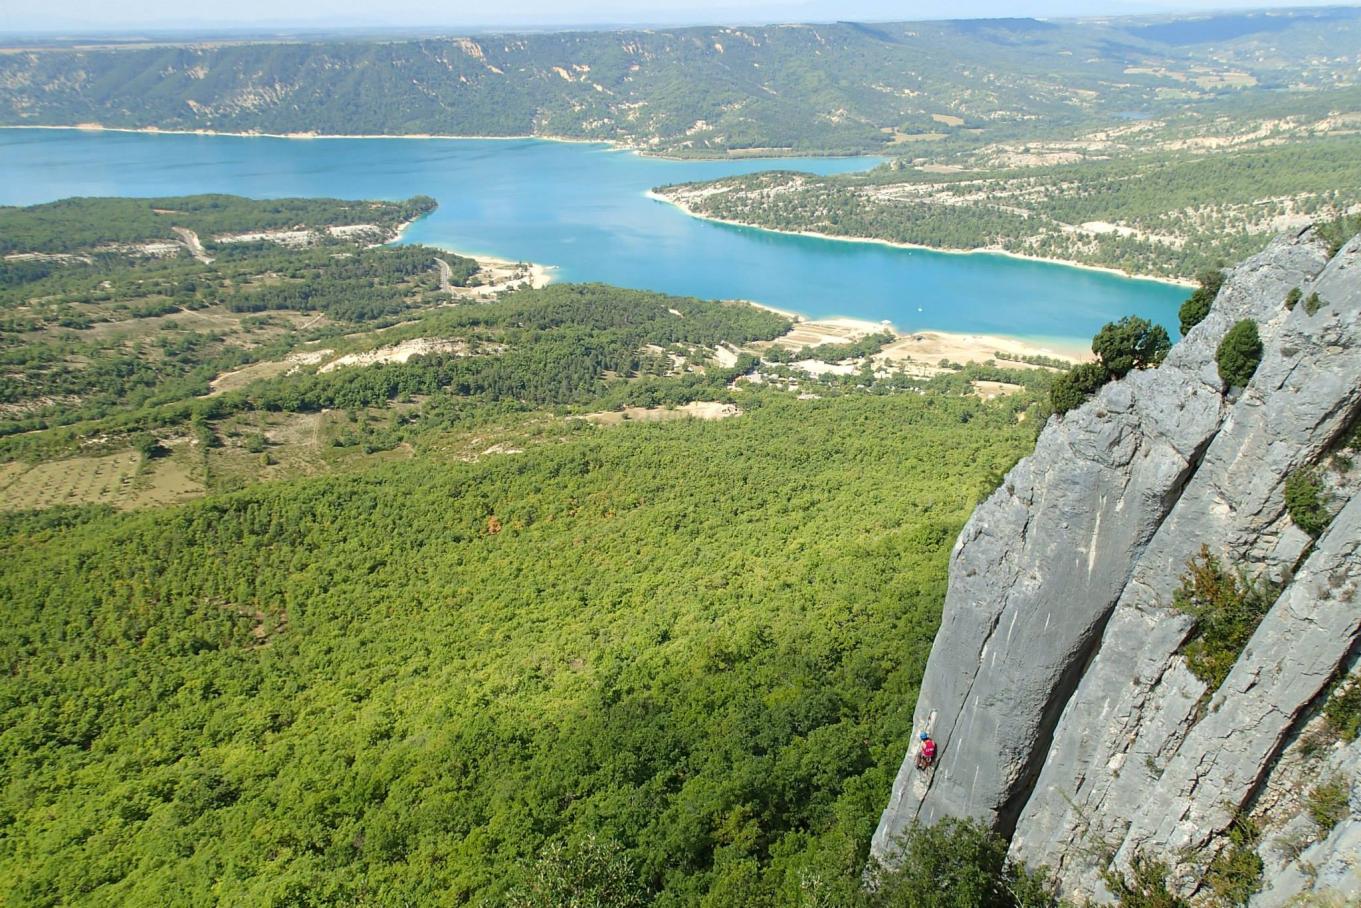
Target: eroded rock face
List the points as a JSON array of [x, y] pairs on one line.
[[1055, 690], [1137, 701], [1329, 861]]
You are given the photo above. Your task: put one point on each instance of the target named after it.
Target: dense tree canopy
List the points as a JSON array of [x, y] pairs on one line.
[[79, 224], [699, 641]]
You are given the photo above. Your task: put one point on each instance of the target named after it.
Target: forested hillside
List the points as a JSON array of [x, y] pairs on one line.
[[108, 225], [116, 305], [687, 640], [407, 611], [1164, 213], [844, 87]]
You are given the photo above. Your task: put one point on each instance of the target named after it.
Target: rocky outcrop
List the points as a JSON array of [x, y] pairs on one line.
[[1064, 712], [1301, 859]]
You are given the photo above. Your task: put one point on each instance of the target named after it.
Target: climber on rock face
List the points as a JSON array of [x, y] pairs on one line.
[[927, 755]]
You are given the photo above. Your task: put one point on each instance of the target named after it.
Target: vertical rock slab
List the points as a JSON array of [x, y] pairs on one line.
[[1291, 659], [1307, 397], [1039, 567], [1137, 700], [1329, 867]]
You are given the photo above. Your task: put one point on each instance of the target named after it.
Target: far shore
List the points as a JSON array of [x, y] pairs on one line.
[[255, 134], [1067, 263], [611, 144]]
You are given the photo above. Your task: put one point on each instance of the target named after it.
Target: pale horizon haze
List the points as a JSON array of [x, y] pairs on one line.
[[77, 16]]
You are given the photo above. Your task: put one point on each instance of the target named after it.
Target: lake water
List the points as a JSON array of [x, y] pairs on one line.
[[583, 208]]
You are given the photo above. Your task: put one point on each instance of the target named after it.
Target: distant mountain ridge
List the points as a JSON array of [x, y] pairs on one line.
[[840, 88]]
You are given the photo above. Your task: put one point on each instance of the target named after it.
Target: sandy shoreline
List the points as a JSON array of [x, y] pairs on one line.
[[859, 325], [1067, 263], [930, 344], [933, 346], [538, 275], [402, 228], [503, 271]]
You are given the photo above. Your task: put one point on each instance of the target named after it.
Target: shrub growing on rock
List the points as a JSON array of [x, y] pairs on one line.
[[1352, 439], [1239, 353], [1235, 875], [1329, 803], [1336, 232], [1197, 305], [1076, 385], [1343, 710], [1145, 886], [1226, 610], [1131, 343], [1304, 502]]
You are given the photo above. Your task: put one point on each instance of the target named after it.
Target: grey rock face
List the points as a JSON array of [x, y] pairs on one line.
[[1055, 690], [1294, 655], [1137, 700], [1329, 866]]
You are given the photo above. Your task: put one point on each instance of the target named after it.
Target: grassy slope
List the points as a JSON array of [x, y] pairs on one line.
[[699, 640]]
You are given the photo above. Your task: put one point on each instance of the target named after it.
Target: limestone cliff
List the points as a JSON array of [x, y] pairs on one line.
[[1057, 691]]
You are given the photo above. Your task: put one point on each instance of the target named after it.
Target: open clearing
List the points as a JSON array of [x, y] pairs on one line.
[[115, 479], [700, 409], [398, 353], [80, 480], [989, 390], [933, 346], [810, 333]]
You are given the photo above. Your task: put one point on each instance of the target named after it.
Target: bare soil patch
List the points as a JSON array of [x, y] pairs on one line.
[[933, 346], [700, 409]]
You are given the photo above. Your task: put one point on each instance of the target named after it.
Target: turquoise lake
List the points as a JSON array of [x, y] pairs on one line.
[[583, 209]]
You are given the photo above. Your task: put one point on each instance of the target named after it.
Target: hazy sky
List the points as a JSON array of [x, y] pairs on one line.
[[77, 15]]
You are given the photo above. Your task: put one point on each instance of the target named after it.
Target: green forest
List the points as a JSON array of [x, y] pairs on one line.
[[83, 224], [430, 630], [698, 642], [1236, 197]]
